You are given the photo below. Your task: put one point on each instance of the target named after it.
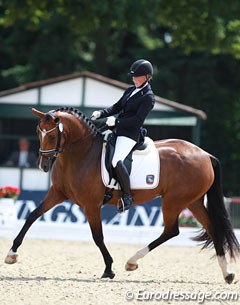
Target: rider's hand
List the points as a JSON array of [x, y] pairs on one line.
[[111, 121], [95, 115]]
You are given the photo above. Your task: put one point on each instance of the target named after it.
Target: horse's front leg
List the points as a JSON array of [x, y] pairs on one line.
[[52, 198], [94, 219]]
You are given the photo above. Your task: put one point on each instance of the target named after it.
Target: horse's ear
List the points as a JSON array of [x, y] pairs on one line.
[[38, 113]]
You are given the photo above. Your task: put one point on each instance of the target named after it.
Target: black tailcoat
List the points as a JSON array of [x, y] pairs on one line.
[[131, 111]]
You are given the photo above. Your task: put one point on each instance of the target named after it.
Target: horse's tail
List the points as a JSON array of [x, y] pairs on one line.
[[222, 233]]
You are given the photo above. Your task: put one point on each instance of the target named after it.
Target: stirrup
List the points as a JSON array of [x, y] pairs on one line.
[[127, 202]]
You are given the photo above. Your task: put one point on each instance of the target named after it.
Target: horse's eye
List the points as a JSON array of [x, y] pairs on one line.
[[52, 138]]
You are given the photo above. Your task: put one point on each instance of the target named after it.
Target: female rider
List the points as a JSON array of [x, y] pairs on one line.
[[132, 109]]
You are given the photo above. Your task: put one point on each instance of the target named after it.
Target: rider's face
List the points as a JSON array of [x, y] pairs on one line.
[[139, 80]]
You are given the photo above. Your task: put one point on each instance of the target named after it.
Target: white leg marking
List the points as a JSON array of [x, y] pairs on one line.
[[10, 252], [223, 265], [140, 254], [11, 257]]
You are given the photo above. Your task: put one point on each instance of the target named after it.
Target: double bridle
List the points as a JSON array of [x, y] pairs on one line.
[[52, 153]]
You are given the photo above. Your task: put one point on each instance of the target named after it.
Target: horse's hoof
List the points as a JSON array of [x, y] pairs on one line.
[[109, 275], [11, 258], [229, 279], [131, 267]]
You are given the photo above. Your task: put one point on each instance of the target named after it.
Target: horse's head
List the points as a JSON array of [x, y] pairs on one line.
[[49, 131]]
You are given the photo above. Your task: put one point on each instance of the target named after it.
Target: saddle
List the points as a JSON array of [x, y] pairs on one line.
[[145, 168]]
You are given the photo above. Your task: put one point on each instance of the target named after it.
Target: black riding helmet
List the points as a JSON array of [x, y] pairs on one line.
[[141, 67]]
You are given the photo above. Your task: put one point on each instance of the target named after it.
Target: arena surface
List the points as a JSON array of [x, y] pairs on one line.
[[68, 273]]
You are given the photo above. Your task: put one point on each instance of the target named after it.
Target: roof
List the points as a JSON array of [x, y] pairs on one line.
[[87, 74]]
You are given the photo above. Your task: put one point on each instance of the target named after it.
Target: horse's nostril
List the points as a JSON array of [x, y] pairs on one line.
[[45, 168]]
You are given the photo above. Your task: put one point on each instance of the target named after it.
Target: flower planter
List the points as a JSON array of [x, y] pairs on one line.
[[8, 213], [186, 219]]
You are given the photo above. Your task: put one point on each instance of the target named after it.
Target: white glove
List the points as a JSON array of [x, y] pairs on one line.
[[95, 115], [111, 121]]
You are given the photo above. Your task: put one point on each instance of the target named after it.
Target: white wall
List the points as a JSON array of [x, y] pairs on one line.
[[26, 97], [33, 179], [68, 92], [97, 94]]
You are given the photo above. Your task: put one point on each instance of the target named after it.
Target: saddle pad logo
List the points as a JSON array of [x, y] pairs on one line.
[[149, 179]]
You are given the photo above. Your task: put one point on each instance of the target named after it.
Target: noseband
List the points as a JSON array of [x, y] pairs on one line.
[[52, 153]]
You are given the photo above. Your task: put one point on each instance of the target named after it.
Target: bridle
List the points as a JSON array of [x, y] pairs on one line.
[[52, 153]]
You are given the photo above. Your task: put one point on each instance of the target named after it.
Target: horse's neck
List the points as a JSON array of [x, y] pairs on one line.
[[84, 149], [77, 132], [81, 143]]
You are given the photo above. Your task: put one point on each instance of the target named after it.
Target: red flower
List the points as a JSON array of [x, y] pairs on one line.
[[9, 191]]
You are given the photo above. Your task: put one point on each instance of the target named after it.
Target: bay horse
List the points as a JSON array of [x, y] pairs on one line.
[[72, 141]]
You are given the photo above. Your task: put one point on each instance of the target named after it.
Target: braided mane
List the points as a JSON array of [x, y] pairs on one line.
[[80, 116]]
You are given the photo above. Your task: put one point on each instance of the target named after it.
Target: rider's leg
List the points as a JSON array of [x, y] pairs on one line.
[[122, 148]]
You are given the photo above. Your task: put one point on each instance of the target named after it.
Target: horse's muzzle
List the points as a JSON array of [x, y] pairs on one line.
[[45, 163]]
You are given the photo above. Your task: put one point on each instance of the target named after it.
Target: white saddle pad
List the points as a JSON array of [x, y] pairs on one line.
[[145, 168]]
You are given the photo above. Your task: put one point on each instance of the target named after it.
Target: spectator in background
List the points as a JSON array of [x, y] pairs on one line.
[[23, 158]]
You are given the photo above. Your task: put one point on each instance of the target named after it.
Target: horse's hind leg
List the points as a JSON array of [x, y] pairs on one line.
[[171, 229], [51, 199], [94, 220], [200, 213]]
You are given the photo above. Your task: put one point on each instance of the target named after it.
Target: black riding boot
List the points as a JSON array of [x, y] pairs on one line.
[[123, 179]]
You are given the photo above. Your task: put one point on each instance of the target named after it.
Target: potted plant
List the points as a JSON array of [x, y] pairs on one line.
[[9, 192], [8, 195], [186, 219]]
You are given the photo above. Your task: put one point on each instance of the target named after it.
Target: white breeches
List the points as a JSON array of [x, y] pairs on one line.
[[122, 148]]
